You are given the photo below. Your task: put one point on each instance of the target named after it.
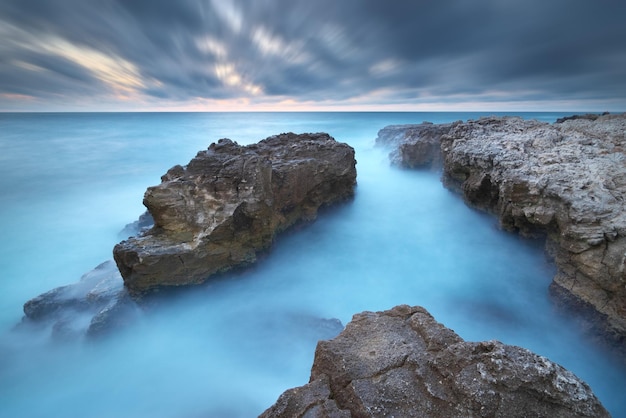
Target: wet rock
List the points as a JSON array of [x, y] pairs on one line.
[[564, 181], [414, 146], [269, 335], [90, 307], [118, 313], [140, 226], [228, 204], [403, 363]]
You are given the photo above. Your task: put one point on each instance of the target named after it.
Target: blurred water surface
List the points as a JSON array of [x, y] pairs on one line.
[[70, 182]]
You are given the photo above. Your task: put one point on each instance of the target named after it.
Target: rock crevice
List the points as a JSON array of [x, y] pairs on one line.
[[562, 181]]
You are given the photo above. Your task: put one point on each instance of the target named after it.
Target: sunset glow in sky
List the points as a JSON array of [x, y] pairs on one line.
[[228, 55]]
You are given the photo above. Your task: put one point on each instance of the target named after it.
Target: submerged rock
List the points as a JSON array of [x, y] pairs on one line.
[[590, 116], [565, 181], [403, 363], [92, 306], [229, 202], [140, 226], [415, 146]]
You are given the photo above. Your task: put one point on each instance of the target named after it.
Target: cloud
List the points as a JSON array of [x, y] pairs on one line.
[[229, 13], [159, 53]]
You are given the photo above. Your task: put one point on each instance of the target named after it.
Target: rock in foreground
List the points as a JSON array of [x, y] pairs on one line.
[[403, 363], [229, 202], [565, 181]]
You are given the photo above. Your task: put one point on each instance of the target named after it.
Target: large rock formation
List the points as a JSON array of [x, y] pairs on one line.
[[216, 213], [565, 181], [403, 363], [228, 203]]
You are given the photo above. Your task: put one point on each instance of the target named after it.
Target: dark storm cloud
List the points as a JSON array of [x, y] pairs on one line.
[[320, 51]]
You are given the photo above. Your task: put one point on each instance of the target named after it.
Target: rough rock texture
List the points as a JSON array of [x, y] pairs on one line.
[[228, 203], [93, 306], [566, 181], [403, 363]]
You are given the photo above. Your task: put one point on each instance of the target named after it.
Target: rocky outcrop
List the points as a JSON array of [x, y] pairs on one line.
[[229, 202], [90, 307], [403, 363], [217, 212], [565, 181]]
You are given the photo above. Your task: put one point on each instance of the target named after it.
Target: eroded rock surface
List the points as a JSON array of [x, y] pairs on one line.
[[565, 181], [229, 202], [403, 363]]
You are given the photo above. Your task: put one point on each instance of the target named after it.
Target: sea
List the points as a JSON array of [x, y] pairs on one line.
[[70, 182]]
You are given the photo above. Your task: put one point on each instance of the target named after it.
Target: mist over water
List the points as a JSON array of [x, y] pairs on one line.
[[70, 182]]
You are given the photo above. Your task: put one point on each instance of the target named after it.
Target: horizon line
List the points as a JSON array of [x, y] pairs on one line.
[[315, 111]]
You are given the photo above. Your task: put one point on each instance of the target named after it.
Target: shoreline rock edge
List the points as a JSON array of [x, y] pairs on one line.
[[403, 363]]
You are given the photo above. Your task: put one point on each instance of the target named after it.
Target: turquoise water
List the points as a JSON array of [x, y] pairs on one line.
[[70, 182]]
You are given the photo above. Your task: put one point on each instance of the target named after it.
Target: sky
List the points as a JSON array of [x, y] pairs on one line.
[[270, 55]]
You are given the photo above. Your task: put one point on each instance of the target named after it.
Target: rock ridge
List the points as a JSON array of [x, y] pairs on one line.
[[229, 202], [403, 363], [564, 181]]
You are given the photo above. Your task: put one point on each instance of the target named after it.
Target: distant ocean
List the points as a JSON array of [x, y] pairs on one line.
[[70, 182]]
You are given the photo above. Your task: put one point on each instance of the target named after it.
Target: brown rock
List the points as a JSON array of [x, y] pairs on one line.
[[403, 363], [229, 202]]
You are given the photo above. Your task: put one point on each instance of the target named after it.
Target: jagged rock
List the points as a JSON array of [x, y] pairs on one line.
[[403, 363], [565, 181], [91, 306], [229, 202]]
